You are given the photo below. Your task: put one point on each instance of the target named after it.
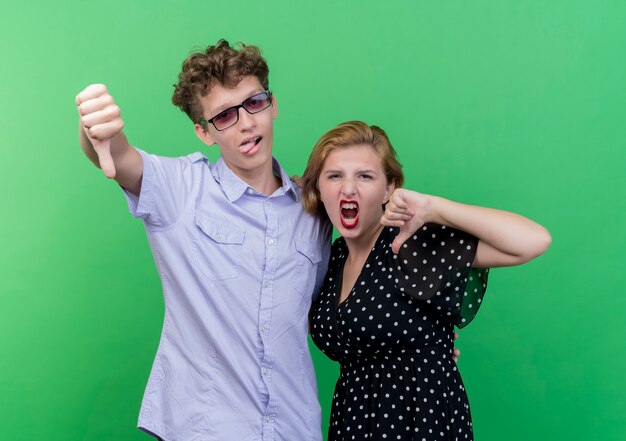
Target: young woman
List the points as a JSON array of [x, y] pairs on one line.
[[399, 280]]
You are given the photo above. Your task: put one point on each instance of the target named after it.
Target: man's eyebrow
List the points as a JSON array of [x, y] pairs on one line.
[[220, 109]]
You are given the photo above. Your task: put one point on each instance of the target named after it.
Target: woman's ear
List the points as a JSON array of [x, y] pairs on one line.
[[390, 188]]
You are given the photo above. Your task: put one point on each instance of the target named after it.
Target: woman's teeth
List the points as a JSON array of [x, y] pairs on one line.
[[349, 210]]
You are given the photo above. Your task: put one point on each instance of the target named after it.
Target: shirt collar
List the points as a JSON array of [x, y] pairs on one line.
[[234, 187]]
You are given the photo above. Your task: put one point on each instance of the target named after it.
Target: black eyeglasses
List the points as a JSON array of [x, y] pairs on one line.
[[230, 116]]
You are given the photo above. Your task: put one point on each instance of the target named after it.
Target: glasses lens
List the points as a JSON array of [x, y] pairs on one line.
[[226, 119], [257, 103]]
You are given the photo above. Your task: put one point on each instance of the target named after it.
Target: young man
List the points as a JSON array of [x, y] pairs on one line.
[[239, 259]]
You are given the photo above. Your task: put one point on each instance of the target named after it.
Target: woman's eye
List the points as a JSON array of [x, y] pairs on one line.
[[366, 177]]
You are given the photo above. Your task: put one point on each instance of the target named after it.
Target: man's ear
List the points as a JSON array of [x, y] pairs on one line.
[[274, 108], [203, 134]]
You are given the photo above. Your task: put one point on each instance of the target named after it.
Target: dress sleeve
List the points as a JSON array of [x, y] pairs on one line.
[[434, 266]]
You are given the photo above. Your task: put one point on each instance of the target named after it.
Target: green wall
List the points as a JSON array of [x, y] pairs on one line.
[[512, 104]]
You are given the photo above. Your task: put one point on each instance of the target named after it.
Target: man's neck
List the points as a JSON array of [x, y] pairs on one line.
[[265, 182]]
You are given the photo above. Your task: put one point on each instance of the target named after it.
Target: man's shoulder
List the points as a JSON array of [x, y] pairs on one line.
[[196, 157], [174, 165], [177, 175], [191, 157]]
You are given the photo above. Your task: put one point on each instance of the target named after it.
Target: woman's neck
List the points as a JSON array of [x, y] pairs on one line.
[[360, 247]]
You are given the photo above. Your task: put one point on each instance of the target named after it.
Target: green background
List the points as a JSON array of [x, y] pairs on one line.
[[510, 104]]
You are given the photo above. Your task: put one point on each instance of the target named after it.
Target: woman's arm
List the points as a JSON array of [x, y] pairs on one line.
[[505, 238]]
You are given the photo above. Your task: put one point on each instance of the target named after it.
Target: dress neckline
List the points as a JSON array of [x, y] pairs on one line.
[[340, 268]]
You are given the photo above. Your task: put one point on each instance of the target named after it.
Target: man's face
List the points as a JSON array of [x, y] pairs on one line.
[[246, 146]]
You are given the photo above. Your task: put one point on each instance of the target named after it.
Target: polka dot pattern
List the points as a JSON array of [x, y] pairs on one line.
[[393, 337]]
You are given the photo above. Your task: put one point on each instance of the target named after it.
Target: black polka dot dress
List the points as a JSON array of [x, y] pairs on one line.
[[393, 337]]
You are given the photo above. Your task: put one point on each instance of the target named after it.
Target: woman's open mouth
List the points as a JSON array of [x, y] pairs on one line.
[[349, 213]]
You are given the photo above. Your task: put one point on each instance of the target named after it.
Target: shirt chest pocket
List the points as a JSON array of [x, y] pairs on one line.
[[307, 258], [219, 248]]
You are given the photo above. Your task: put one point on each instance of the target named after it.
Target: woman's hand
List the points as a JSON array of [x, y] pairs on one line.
[[408, 210]]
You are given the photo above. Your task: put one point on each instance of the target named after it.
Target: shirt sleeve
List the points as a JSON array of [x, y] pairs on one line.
[[434, 266], [166, 185]]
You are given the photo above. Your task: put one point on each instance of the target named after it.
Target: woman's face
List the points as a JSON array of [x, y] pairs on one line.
[[353, 187]]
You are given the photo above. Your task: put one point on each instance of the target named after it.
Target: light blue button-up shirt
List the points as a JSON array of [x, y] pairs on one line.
[[239, 270]]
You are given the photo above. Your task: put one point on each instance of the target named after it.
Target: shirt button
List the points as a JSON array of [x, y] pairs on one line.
[[263, 329], [270, 242], [268, 203], [268, 419], [250, 191], [267, 284], [265, 372]]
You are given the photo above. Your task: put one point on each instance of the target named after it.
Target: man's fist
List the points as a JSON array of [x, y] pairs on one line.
[[101, 120]]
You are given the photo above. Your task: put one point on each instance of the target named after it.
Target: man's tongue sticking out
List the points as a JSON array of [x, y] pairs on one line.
[[248, 145]]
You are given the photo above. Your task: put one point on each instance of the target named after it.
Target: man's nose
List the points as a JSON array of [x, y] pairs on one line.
[[246, 120]]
